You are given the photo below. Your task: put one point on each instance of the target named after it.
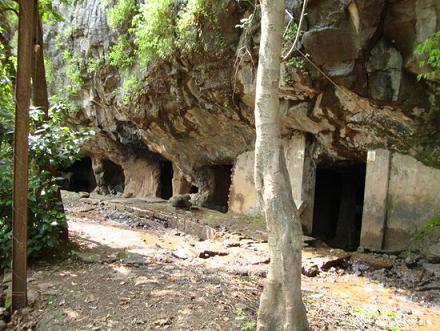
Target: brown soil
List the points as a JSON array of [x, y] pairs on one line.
[[149, 277]]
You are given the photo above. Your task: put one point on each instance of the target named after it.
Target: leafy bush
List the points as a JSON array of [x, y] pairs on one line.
[[121, 14], [73, 72], [431, 50], [46, 221], [154, 29], [121, 54], [51, 145], [93, 65], [189, 21], [163, 27]]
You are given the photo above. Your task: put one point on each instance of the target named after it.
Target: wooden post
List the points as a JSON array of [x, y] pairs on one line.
[[21, 153]]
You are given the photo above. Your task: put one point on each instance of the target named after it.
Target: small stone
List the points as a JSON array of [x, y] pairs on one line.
[[340, 262], [432, 268], [181, 254], [84, 194], [181, 201], [2, 325], [411, 262], [361, 249], [310, 272], [162, 322], [340, 272]]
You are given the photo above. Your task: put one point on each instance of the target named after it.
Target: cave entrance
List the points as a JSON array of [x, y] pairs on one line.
[[339, 199], [222, 179], [166, 180], [113, 177], [79, 176]]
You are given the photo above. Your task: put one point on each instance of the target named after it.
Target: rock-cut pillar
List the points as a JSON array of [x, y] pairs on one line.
[[374, 215]]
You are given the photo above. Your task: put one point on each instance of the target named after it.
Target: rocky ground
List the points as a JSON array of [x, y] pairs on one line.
[[126, 272]]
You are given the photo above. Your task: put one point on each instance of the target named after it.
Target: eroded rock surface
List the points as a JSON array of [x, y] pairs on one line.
[[196, 110]]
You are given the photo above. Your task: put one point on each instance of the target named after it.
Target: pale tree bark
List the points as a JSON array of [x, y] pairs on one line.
[[281, 305]]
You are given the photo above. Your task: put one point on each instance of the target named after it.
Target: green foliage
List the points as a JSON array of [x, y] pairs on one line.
[[428, 229], [154, 29], [121, 14], [161, 28], [7, 64], [297, 61], [50, 70], [121, 54], [130, 89], [189, 21], [246, 325], [431, 50], [51, 145], [73, 72], [49, 14], [93, 65]]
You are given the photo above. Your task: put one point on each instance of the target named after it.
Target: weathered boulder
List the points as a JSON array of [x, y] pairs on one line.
[[408, 23], [384, 68]]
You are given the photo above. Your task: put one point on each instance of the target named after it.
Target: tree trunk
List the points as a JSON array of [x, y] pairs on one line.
[[40, 96], [39, 84], [21, 155], [281, 305]]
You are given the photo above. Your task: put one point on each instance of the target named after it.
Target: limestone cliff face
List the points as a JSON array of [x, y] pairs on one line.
[[197, 110]]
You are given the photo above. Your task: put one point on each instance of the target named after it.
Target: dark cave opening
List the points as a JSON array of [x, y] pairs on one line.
[[339, 198], [79, 176], [166, 180], [113, 177], [222, 175], [194, 189]]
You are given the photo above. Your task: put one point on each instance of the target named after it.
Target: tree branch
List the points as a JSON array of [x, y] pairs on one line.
[[289, 53]]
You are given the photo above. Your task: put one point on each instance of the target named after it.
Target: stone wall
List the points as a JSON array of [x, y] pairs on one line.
[[401, 194], [413, 199], [142, 178], [301, 168], [243, 195]]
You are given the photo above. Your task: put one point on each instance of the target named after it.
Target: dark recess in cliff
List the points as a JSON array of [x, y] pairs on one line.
[[339, 194], [79, 176]]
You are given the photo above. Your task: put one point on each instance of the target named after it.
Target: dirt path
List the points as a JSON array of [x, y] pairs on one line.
[[119, 278]]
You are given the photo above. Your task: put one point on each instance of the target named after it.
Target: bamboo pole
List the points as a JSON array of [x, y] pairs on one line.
[[21, 153]]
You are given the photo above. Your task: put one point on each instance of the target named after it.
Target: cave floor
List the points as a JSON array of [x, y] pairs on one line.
[[125, 270]]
